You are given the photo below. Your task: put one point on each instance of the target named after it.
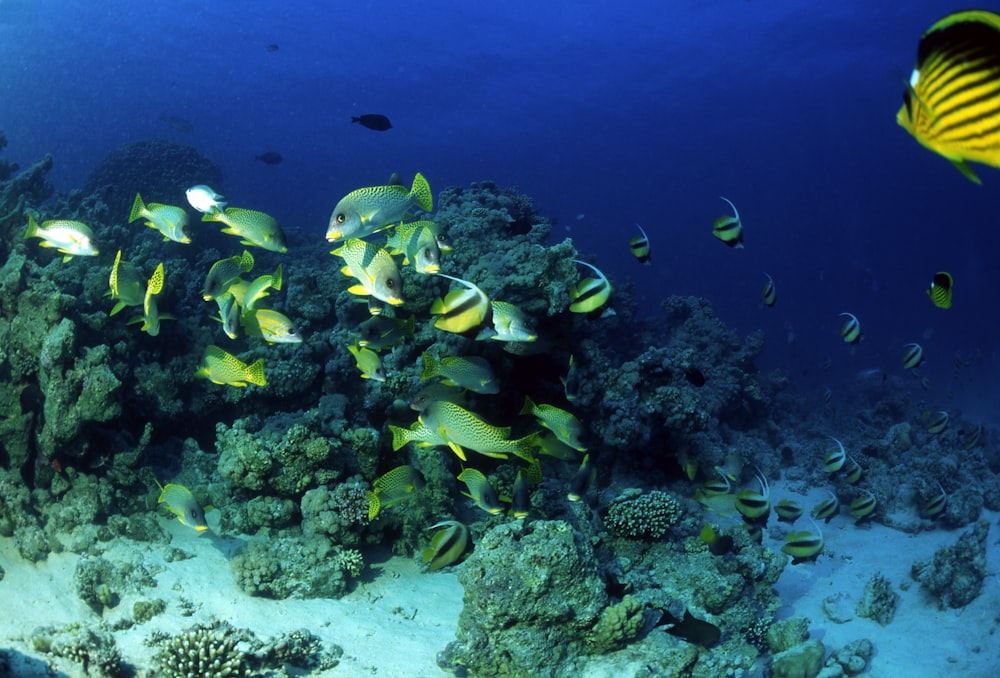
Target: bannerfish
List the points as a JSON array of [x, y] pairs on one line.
[[768, 296], [221, 367], [589, 294], [913, 356], [269, 158], [204, 199], [639, 244], [364, 211], [448, 545], [803, 545], [251, 227], [940, 289], [460, 310], [178, 500], [729, 229], [373, 121], [374, 269], [71, 238], [171, 221], [951, 103], [850, 331]]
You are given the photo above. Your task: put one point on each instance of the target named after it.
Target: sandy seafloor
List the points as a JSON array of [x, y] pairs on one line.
[[398, 617]]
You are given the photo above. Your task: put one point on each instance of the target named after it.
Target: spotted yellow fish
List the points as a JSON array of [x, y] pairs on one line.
[[221, 367], [251, 227], [367, 210], [171, 221]]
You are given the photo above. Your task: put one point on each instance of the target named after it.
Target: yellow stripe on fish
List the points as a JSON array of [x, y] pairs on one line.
[[913, 356], [639, 244], [951, 104], [448, 545], [460, 310], [850, 331]]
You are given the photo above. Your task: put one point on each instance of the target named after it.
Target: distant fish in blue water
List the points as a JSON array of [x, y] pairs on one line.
[[178, 123], [273, 47], [951, 104], [729, 229], [851, 330], [768, 296], [639, 244], [269, 158], [940, 289], [373, 121], [913, 356]]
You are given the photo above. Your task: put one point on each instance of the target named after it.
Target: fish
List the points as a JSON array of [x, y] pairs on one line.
[[461, 428], [768, 295], [418, 433], [551, 446], [204, 199], [940, 289], [177, 123], [125, 281], [729, 229], [973, 438], [480, 491], [639, 244], [850, 332], [373, 268], [803, 545], [253, 228], [934, 506], [582, 480], [396, 485], [373, 121], [274, 327], [718, 544], [913, 356], [418, 244], [863, 506], [380, 332], [754, 506], [368, 362], [827, 509], [71, 238], [827, 395], [272, 47], [950, 103], [151, 316], [460, 310], [564, 425], [258, 288], [364, 211], [835, 457], [269, 158], [509, 324], [222, 367], [589, 294], [852, 471], [520, 503], [229, 314], [936, 422], [448, 544], [731, 468], [695, 631], [436, 391], [468, 372], [788, 510], [225, 273], [571, 382], [178, 500], [171, 221]]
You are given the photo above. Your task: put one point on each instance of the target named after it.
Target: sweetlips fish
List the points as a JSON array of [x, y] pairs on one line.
[[373, 268], [274, 327], [72, 238], [251, 227], [460, 429], [368, 362], [380, 332], [480, 491], [171, 221], [221, 367], [564, 425], [126, 285], [151, 315], [225, 273], [367, 210], [469, 372], [258, 288], [509, 322], [178, 500], [417, 242]]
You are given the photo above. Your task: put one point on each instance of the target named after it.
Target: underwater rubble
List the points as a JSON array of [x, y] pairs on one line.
[[98, 414]]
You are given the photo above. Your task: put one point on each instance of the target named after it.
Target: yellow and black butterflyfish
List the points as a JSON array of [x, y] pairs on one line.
[[951, 104], [729, 229], [639, 244], [769, 296], [940, 288]]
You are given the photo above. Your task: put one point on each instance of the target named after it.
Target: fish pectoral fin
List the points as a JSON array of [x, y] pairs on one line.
[[457, 449], [360, 290], [963, 166]]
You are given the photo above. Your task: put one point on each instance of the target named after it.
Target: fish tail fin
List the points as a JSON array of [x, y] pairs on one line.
[[246, 261], [374, 506], [400, 436], [276, 279], [430, 367], [32, 231], [138, 208], [255, 373], [421, 193], [529, 406]]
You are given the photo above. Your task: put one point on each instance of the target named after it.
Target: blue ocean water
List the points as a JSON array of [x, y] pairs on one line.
[[641, 112]]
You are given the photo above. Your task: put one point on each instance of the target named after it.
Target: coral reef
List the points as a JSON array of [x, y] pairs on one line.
[[878, 601], [802, 661], [954, 576], [642, 515], [90, 645], [289, 567], [209, 652]]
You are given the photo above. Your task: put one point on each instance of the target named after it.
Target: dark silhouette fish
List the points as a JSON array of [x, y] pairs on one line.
[[178, 123], [374, 121], [270, 158], [272, 47]]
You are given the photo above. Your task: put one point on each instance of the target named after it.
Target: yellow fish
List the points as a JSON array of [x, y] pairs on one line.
[[367, 210], [368, 362], [373, 268], [589, 294], [222, 367], [126, 285], [251, 227], [72, 238], [178, 500], [169, 220], [460, 310], [274, 327], [448, 544], [480, 491]]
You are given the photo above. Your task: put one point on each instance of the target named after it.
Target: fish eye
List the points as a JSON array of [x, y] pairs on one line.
[[291, 331], [341, 218], [390, 283]]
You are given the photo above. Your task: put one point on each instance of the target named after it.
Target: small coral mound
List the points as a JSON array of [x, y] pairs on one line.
[[202, 651], [954, 576], [638, 515], [879, 600], [91, 646]]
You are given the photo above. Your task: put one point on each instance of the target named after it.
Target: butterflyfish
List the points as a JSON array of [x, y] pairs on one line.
[[827, 509], [850, 331], [863, 506], [639, 244], [729, 229], [460, 310], [768, 296], [913, 356], [589, 294], [940, 289], [803, 545], [448, 545], [951, 103]]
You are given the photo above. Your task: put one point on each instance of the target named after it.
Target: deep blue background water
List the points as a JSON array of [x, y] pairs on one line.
[[644, 111]]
